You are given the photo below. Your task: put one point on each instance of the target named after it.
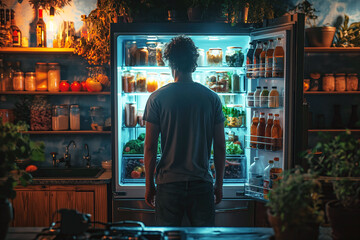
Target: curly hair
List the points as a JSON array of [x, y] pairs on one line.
[[182, 54]]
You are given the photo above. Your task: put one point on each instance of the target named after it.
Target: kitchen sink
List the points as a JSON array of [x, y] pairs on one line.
[[68, 172]]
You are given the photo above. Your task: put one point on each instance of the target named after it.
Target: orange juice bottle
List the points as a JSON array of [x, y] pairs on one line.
[[275, 172], [276, 134], [253, 130], [278, 60], [261, 132], [256, 59], [262, 60], [268, 127], [269, 59]]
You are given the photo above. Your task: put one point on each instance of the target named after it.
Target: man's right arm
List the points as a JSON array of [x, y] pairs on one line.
[[219, 160]]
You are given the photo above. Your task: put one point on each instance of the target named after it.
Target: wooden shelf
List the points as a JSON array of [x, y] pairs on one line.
[[333, 130], [331, 50], [33, 50], [67, 132], [52, 93], [329, 93]]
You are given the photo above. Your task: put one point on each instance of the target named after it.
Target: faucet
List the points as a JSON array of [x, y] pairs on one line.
[[87, 157], [67, 155]]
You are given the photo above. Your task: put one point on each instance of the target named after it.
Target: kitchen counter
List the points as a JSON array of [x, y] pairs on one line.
[[27, 233], [104, 178]]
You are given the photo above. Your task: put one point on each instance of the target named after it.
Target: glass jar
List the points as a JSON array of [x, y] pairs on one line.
[[340, 82], [130, 53], [40, 114], [222, 81], [128, 81], [250, 99], [53, 77], [140, 120], [74, 117], [159, 54], [130, 115], [41, 71], [165, 78], [97, 118], [352, 82], [142, 56], [30, 81], [152, 82], [234, 57], [214, 57], [328, 82], [60, 117], [151, 48], [18, 81], [201, 58], [211, 80], [140, 81]]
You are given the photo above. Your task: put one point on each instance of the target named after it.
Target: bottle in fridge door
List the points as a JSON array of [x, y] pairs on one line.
[[278, 60], [275, 172], [262, 60], [253, 130], [260, 131], [267, 183], [276, 134], [256, 59], [249, 60], [256, 175], [268, 127], [269, 59]]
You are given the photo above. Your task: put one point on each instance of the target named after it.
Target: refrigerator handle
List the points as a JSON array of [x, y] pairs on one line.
[[231, 210], [136, 210]]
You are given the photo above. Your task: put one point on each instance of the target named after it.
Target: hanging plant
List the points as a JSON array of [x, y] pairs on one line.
[[47, 4]]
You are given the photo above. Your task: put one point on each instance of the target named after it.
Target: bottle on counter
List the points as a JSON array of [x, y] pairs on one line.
[[249, 60], [15, 31], [253, 130], [264, 97], [260, 131], [275, 173], [276, 134], [40, 31], [268, 127], [269, 59], [256, 175], [257, 96], [256, 59], [274, 98], [267, 183], [278, 60], [263, 60]]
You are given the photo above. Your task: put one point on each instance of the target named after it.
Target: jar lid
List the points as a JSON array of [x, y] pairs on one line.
[[164, 73], [152, 73], [95, 108], [329, 74], [211, 49], [53, 64], [352, 74], [222, 72], [19, 73], [148, 43], [74, 106], [234, 47], [30, 74], [340, 74], [63, 106], [41, 63]]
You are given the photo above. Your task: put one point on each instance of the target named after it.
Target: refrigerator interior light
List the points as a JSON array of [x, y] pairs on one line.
[[152, 38], [213, 38]]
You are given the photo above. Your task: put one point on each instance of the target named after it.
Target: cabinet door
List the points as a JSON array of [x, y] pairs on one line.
[[85, 203], [59, 200], [31, 208]]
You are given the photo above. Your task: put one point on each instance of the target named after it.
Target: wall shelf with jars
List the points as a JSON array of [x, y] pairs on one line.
[[67, 132], [52, 93], [35, 50], [332, 92], [331, 49]]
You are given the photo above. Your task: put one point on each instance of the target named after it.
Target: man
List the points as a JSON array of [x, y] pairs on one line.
[[189, 118]]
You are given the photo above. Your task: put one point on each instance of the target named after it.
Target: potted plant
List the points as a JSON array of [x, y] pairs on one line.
[[294, 207], [316, 36], [14, 146], [196, 9], [339, 162], [347, 35]]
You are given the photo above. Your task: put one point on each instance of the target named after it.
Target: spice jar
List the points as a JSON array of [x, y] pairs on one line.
[[201, 58], [140, 81], [128, 81], [41, 72], [97, 118], [151, 48], [340, 82], [214, 57], [60, 118], [40, 114], [328, 82], [74, 117], [30, 81], [352, 82], [159, 54], [130, 115], [18, 81], [234, 57], [152, 82], [53, 77]]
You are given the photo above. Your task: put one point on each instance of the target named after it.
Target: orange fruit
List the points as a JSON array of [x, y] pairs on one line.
[[31, 168]]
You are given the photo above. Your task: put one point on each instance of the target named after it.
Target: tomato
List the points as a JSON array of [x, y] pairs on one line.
[[64, 86], [76, 86], [83, 85], [141, 160], [31, 168], [92, 85], [127, 149], [135, 174]]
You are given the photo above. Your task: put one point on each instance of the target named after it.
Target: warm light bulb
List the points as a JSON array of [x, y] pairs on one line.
[[52, 13]]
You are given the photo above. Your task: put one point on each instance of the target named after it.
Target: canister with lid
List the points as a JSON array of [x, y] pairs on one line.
[[151, 48], [352, 82], [97, 118], [328, 82], [130, 115], [41, 71], [18, 81], [60, 117], [53, 77], [340, 82], [30, 81], [74, 117]]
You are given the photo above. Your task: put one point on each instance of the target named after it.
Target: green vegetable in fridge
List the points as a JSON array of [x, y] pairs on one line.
[[232, 148]]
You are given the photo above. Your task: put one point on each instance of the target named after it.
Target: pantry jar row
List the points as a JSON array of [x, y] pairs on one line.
[[332, 82], [141, 81]]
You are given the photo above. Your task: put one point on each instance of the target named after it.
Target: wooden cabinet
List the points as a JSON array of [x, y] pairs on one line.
[[36, 206]]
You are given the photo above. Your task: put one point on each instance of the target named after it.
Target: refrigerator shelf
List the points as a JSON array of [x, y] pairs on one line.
[[166, 68], [136, 127], [265, 107], [263, 102], [255, 192]]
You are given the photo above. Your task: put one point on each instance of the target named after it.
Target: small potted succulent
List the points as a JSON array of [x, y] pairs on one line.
[[339, 162], [15, 147], [294, 207]]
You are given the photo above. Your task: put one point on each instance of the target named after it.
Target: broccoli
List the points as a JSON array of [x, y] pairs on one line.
[[141, 137]]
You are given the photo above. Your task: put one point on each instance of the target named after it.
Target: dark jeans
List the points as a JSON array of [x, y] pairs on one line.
[[195, 198]]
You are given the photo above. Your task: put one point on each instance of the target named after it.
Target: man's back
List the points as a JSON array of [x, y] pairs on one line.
[[187, 113]]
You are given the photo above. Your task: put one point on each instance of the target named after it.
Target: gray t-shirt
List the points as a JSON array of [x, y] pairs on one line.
[[186, 113]]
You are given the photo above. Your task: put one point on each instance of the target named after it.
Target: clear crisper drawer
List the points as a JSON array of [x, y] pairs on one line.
[[235, 169], [133, 169]]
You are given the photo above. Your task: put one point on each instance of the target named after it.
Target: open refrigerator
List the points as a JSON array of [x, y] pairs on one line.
[[136, 51]]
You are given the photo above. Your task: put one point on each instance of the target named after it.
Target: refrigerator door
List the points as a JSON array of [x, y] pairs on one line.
[[290, 88]]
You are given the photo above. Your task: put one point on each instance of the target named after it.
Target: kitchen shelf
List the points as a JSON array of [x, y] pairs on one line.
[[52, 93], [331, 49], [34, 50], [333, 130], [205, 68], [329, 93], [66, 132]]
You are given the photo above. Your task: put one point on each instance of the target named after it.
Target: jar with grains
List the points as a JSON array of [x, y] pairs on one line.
[[30, 81], [18, 81], [40, 114], [53, 77], [340, 82], [41, 71], [97, 118], [352, 82], [74, 117], [128, 81], [140, 81], [60, 117], [328, 82], [214, 57], [159, 54]]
